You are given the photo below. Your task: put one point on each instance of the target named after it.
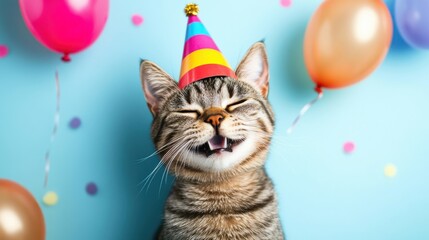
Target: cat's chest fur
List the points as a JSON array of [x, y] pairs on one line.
[[240, 208]]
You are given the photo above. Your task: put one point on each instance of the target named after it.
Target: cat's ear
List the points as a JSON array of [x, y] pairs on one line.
[[253, 68], [157, 85]]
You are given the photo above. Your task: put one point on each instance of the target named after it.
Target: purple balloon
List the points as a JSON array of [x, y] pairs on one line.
[[412, 19]]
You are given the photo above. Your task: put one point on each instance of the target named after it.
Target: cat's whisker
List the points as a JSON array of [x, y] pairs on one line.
[[167, 162], [274, 138], [148, 180], [150, 174], [254, 121], [168, 157], [159, 167], [179, 155], [186, 159], [159, 150], [170, 160], [183, 158], [170, 151], [175, 158], [179, 152]]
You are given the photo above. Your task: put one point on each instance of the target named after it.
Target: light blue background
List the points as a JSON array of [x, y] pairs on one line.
[[324, 193]]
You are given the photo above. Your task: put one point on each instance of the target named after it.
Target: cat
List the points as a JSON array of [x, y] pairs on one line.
[[214, 136]]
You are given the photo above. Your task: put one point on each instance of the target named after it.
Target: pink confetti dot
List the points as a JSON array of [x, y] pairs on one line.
[[137, 19], [349, 147], [3, 51], [285, 3]]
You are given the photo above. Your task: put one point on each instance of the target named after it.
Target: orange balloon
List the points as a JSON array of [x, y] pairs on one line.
[[20, 215], [346, 40]]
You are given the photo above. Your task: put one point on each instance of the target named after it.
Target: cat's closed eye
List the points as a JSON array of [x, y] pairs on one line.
[[232, 106], [193, 113]]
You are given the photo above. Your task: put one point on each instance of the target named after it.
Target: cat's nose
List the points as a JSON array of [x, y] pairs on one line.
[[214, 120]]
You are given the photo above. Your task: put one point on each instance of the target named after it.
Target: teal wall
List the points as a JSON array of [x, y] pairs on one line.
[[324, 193]]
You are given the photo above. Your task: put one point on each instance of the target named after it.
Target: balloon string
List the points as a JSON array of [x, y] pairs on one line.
[[54, 129], [305, 109]]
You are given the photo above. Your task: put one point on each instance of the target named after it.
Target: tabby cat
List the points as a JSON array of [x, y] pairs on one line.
[[214, 137]]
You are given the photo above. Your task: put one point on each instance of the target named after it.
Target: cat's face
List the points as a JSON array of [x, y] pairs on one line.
[[213, 126]]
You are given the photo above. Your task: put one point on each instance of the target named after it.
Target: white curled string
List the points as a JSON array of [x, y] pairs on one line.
[[54, 129], [304, 110]]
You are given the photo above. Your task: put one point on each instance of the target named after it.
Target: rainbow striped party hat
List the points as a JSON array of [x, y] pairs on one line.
[[201, 57]]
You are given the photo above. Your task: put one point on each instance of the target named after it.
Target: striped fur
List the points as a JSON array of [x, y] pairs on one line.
[[227, 195]]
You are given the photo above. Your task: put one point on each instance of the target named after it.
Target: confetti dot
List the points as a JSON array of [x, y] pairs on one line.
[[390, 170], [137, 19], [75, 122], [3, 51], [285, 3], [91, 188], [50, 199], [349, 147]]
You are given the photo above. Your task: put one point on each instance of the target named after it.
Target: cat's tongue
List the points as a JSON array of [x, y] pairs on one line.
[[218, 142]]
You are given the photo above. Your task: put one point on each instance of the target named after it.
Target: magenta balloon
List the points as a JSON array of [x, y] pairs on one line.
[[65, 26]]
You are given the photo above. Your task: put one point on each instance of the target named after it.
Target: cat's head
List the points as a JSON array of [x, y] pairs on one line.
[[213, 128]]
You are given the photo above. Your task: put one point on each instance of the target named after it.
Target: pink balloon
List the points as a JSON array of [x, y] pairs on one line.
[[65, 26]]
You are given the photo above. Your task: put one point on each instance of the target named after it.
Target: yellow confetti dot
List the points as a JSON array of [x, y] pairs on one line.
[[390, 170], [50, 199]]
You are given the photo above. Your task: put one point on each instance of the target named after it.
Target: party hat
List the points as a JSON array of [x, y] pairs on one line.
[[201, 57]]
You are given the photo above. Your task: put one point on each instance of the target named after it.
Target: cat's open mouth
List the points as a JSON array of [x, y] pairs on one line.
[[218, 144]]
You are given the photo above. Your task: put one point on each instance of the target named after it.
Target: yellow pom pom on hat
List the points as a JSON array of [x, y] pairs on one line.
[[201, 57]]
